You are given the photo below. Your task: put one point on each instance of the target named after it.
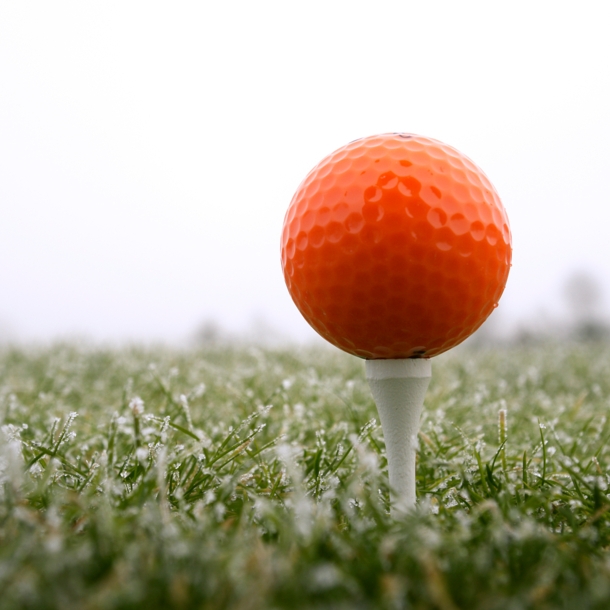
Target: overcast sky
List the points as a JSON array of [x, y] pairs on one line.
[[148, 151]]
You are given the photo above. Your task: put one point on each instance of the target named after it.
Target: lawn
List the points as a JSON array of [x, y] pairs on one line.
[[243, 477]]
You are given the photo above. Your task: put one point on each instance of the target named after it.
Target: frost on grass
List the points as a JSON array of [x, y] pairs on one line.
[[252, 478]]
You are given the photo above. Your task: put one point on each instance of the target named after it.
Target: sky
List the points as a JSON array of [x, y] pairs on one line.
[[149, 151]]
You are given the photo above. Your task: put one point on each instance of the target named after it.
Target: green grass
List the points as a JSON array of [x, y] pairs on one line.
[[250, 478]]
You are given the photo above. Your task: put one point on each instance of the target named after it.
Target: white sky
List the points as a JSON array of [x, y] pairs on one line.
[[148, 151]]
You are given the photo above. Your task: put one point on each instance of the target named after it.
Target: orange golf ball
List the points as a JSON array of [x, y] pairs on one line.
[[396, 246]]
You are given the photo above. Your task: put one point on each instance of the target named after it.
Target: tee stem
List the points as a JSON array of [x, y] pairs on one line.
[[398, 388]]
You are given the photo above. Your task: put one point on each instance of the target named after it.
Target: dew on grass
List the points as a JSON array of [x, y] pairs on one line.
[[219, 511], [136, 404], [36, 470], [132, 505], [323, 577], [199, 390], [450, 501], [263, 410]]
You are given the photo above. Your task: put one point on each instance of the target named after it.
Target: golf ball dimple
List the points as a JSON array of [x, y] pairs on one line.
[[396, 246]]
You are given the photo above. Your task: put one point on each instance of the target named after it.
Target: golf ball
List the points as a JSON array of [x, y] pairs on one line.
[[396, 246]]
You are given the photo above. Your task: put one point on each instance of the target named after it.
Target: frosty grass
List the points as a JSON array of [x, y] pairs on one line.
[[249, 478]]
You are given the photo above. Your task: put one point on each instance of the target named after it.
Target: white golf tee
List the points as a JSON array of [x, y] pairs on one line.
[[398, 388]]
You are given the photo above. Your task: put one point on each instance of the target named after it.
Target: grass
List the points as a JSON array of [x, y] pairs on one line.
[[250, 478]]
